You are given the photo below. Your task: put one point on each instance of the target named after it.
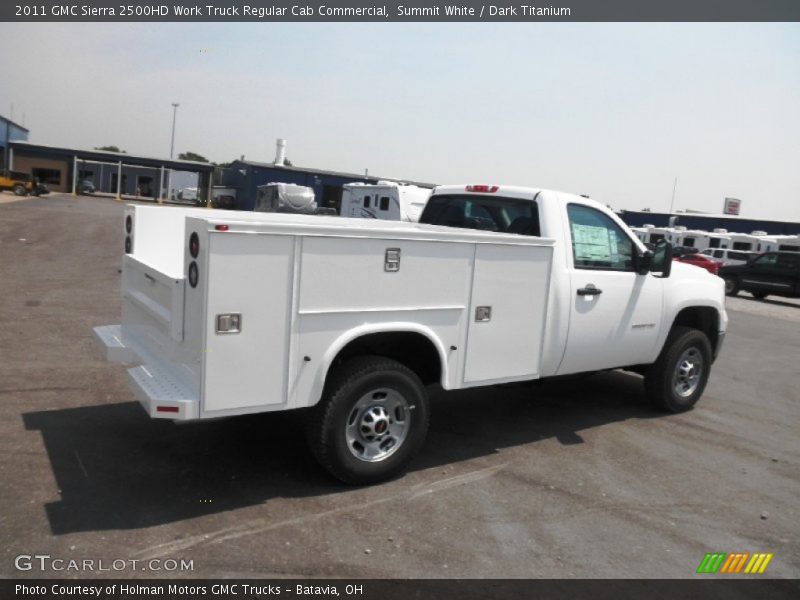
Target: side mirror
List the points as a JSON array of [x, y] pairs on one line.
[[661, 261], [642, 261]]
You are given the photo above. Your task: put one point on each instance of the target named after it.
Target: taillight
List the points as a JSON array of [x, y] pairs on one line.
[[482, 189], [194, 244], [128, 231]]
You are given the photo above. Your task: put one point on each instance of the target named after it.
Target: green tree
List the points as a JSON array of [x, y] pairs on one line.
[[192, 156], [111, 149]]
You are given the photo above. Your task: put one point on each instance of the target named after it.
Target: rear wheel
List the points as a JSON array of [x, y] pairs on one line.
[[20, 190], [759, 295], [678, 378], [372, 419], [731, 286]]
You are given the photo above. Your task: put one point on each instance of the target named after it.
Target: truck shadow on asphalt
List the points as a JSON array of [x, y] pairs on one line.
[[118, 469]]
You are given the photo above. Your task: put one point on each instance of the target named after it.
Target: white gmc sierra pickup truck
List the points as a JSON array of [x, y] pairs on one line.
[[229, 313]]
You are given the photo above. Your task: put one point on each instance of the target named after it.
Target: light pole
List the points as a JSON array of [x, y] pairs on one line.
[[175, 106], [672, 202]]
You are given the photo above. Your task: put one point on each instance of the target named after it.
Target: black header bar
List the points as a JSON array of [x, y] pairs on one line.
[[464, 11]]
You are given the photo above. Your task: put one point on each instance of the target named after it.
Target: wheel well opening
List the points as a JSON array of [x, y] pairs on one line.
[[703, 318], [412, 349]]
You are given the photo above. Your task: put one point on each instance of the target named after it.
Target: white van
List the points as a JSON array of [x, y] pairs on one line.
[[728, 256], [385, 200]]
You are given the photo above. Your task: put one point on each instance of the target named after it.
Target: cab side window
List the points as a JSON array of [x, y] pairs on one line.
[[597, 241], [766, 261]]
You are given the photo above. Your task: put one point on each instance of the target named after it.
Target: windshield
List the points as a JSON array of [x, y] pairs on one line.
[[488, 213]]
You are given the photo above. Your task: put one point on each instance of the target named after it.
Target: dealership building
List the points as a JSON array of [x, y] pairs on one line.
[[708, 222], [117, 173], [122, 174], [9, 132]]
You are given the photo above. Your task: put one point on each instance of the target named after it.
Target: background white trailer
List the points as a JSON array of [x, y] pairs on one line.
[[285, 198], [384, 200]]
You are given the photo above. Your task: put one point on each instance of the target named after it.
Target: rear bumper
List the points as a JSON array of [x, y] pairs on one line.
[[161, 395]]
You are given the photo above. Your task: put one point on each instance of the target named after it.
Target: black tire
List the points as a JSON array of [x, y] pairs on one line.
[[759, 295], [353, 390], [731, 286], [689, 347], [19, 190]]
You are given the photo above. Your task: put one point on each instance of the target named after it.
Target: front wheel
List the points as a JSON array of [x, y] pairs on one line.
[[677, 379], [372, 419], [20, 190], [731, 286]]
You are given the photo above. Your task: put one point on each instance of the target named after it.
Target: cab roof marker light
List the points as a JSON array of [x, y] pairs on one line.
[[221, 227], [483, 189]]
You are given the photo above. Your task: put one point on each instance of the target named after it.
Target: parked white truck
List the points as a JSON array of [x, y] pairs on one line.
[[349, 319]]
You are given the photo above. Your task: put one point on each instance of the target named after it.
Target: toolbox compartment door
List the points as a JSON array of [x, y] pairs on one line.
[[155, 295], [506, 320], [250, 276]]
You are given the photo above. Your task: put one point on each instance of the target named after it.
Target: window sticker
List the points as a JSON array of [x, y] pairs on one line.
[[592, 243]]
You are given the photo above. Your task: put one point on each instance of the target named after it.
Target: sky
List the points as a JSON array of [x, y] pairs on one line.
[[615, 111]]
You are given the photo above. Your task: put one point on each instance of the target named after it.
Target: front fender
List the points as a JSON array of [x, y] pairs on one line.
[[689, 287]]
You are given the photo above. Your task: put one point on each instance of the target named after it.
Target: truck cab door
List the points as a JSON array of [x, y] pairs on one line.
[[770, 273], [615, 313]]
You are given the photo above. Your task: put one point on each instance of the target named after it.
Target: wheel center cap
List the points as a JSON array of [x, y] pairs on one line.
[[381, 426]]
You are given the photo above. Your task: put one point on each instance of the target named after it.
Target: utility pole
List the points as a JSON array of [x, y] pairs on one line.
[[175, 106], [672, 203]]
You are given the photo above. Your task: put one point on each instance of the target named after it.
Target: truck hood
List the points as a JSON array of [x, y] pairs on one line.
[[688, 272]]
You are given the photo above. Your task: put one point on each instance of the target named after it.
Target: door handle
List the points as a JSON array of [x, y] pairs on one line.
[[589, 290]]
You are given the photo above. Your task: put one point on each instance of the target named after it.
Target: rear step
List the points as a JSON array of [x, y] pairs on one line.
[[161, 395], [110, 339]]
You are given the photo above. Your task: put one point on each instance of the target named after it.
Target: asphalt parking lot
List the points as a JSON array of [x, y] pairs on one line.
[[576, 478]]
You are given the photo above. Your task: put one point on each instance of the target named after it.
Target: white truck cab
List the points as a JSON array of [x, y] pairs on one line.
[[233, 313], [631, 311]]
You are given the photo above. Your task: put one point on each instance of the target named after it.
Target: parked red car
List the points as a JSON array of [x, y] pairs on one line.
[[700, 260]]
